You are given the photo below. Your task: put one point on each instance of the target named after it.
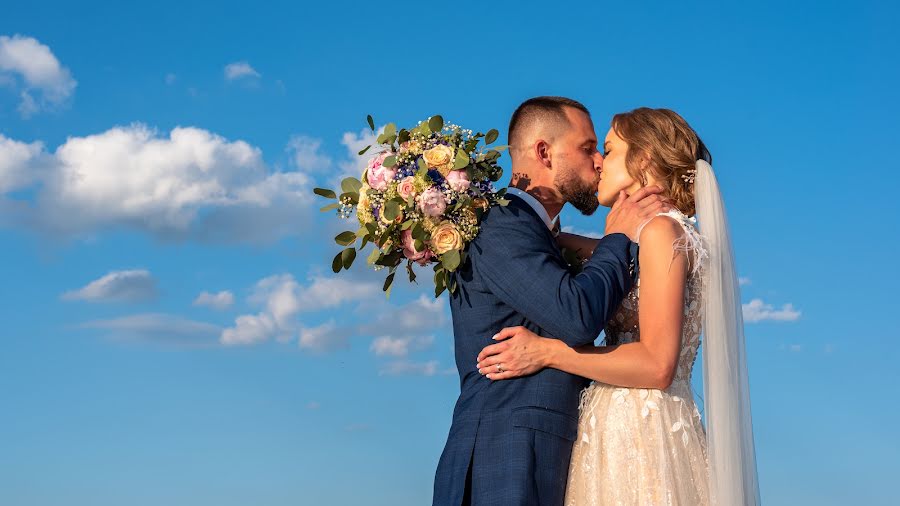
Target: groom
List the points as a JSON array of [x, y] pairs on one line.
[[510, 441]]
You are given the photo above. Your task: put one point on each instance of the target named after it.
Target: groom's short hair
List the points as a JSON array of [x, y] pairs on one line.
[[540, 110]]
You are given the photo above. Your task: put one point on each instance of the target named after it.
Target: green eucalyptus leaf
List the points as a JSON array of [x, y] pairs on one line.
[[403, 136], [390, 161], [450, 260], [390, 130], [338, 262], [491, 136], [390, 260], [363, 151], [436, 123], [351, 185], [323, 192], [388, 281], [391, 210], [371, 122], [409, 271], [439, 281], [373, 256], [345, 238], [348, 256], [462, 159], [330, 207], [418, 231]]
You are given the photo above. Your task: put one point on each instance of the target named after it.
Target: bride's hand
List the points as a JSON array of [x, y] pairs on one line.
[[521, 352]]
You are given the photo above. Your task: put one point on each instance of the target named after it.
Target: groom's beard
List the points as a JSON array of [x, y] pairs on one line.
[[582, 195]]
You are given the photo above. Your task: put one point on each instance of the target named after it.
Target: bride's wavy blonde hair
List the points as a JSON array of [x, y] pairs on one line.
[[671, 146]]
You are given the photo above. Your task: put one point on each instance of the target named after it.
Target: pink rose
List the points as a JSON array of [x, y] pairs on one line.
[[407, 187], [432, 202], [377, 174], [409, 249], [458, 180]]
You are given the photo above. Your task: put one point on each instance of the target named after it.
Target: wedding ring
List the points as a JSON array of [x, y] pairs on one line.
[[499, 368]]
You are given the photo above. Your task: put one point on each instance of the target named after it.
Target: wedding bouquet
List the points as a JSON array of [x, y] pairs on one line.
[[420, 199]]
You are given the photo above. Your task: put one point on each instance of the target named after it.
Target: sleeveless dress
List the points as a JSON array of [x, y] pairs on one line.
[[639, 446]]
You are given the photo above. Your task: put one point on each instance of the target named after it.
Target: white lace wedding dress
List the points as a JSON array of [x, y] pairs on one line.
[[640, 446]]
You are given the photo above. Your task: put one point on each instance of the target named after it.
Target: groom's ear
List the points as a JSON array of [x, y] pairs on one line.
[[542, 153]]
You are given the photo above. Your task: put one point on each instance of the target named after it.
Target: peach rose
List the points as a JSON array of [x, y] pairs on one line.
[[407, 187], [446, 237], [439, 158]]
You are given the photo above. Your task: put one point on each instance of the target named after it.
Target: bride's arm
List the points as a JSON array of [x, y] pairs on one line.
[[649, 363]]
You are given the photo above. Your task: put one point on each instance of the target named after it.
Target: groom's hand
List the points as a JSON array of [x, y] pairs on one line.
[[630, 213]]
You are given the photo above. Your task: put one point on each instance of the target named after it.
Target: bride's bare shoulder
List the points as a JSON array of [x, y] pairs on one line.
[[658, 240]]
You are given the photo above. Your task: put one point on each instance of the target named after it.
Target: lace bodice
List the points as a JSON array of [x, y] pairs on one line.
[[624, 326]]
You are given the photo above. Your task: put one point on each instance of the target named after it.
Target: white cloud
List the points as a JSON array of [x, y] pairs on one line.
[[417, 318], [757, 310], [28, 107], [249, 329], [399, 346], [240, 69], [409, 368], [328, 292], [19, 164], [117, 286], [283, 299], [354, 164], [326, 337], [190, 184], [306, 155], [280, 297], [220, 301], [158, 328], [34, 63]]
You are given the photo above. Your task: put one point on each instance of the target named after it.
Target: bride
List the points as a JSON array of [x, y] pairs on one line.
[[641, 440]]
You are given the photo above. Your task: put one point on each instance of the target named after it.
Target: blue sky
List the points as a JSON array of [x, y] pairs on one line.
[[149, 154]]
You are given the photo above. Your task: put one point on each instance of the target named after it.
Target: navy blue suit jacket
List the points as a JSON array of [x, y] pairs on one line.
[[515, 436]]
